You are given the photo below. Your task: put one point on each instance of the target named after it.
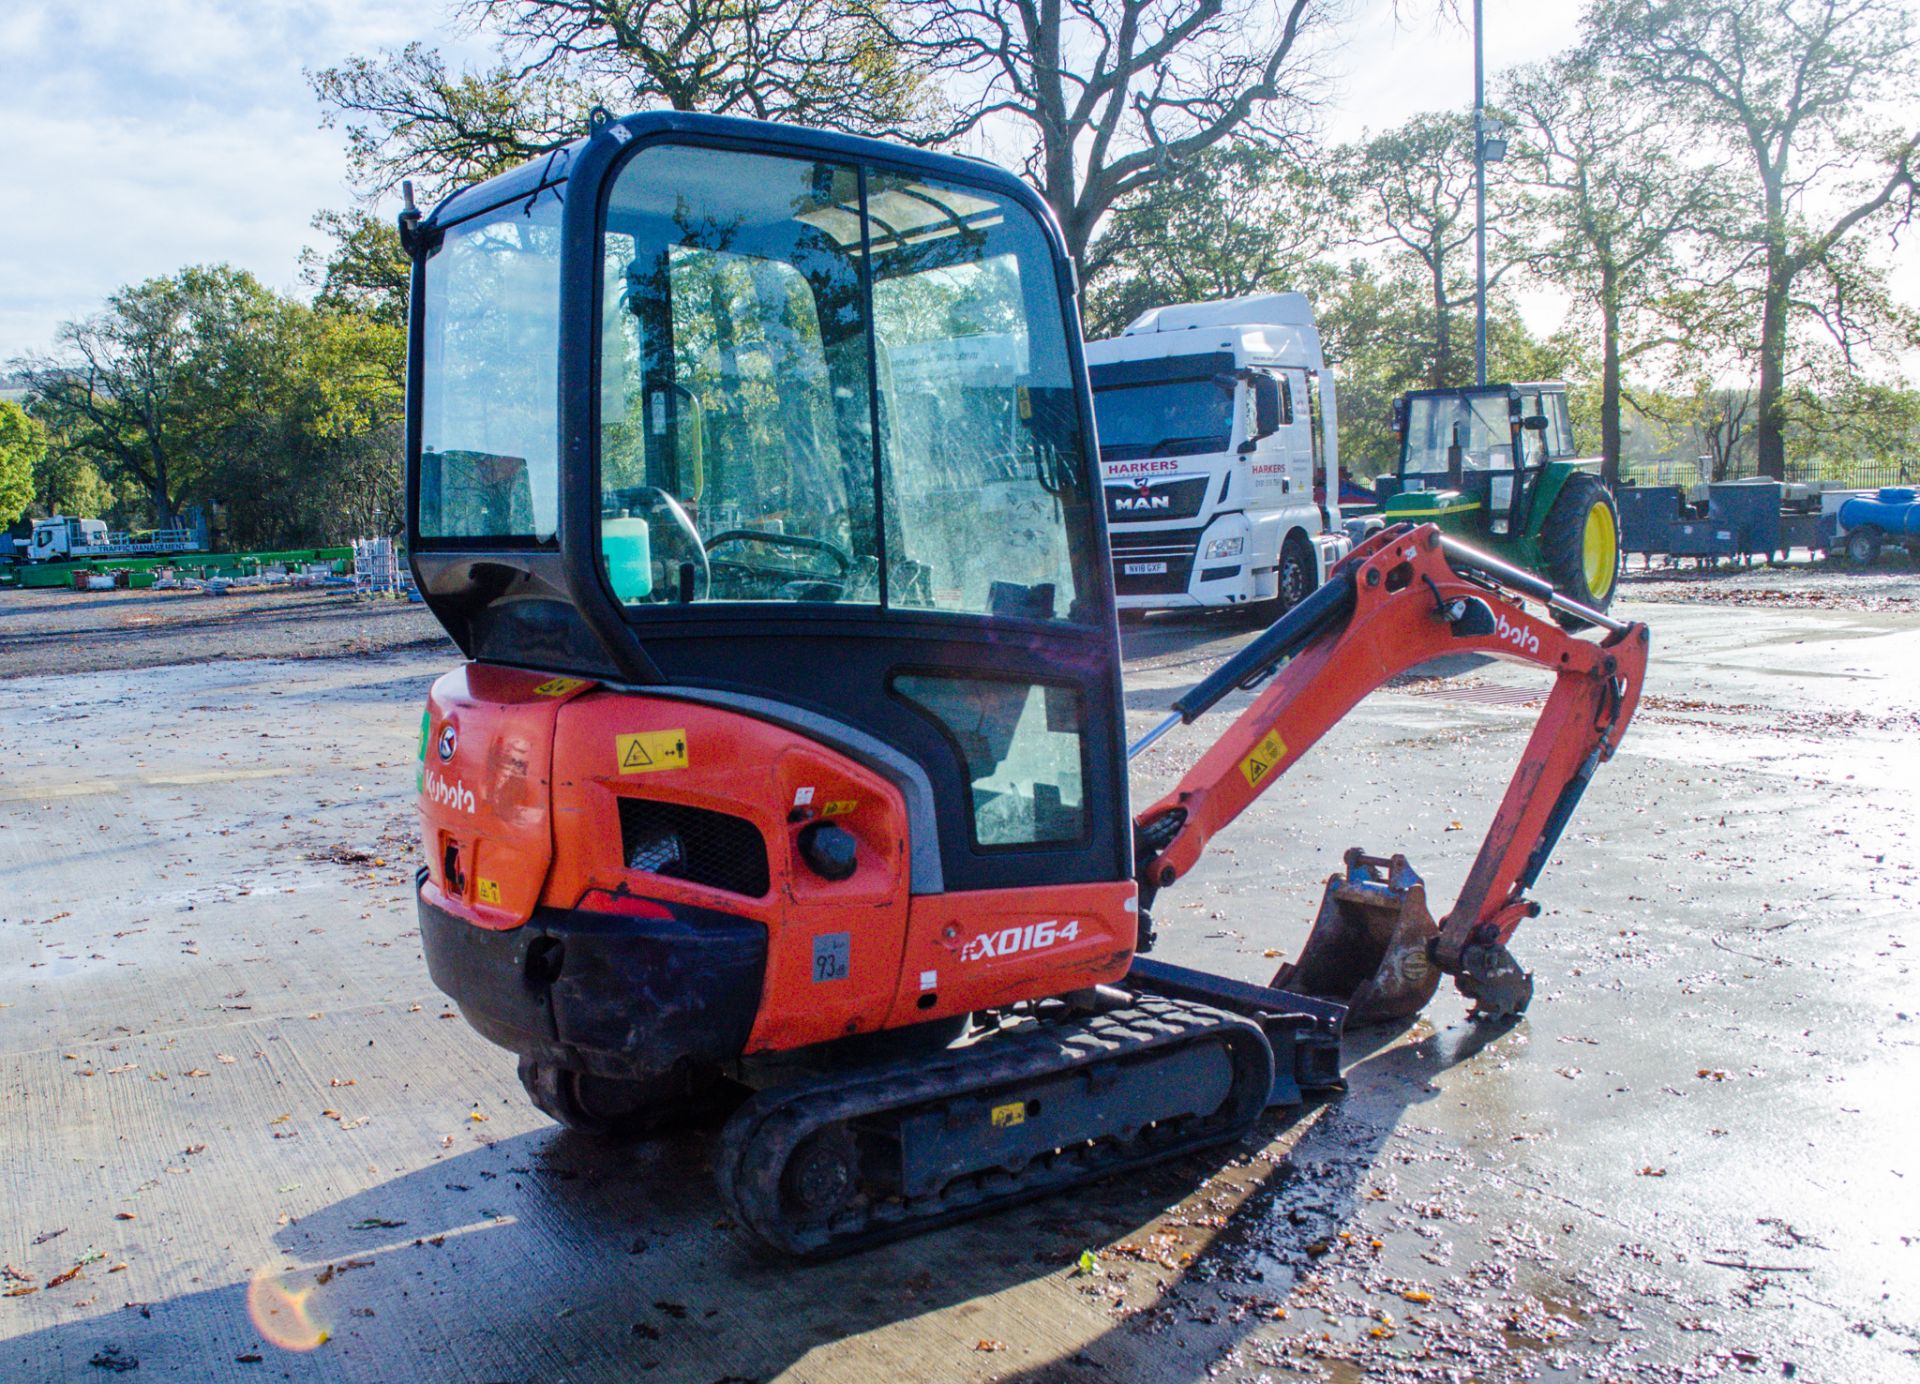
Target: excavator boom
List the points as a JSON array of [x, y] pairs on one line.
[[1406, 596]]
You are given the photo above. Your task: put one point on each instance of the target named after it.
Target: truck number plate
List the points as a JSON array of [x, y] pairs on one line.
[[1144, 569]]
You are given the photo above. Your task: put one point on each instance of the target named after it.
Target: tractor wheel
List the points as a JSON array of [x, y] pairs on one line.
[[618, 1111], [1580, 544], [1863, 546]]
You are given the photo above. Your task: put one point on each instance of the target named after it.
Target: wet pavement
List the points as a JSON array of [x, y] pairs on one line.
[[246, 1137]]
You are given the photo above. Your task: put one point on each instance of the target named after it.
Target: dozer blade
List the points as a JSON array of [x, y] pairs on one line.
[[1368, 947]]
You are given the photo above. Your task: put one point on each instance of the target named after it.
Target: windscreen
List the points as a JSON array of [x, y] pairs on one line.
[[820, 383], [1166, 418], [489, 394], [1478, 423]]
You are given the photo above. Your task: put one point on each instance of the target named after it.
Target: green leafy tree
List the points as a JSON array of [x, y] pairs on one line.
[[364, 272], [1789, 90], [145, 389], [23, 444], [1233, 221], [1410, 192], [1607, 214]]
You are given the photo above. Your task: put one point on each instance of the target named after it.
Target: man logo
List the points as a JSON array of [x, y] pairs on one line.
[[449, 741]]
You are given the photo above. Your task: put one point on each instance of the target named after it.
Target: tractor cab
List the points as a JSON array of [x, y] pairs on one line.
[[1497, 465]]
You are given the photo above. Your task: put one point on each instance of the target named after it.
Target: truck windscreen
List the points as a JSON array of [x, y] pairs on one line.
[[1164, 418]]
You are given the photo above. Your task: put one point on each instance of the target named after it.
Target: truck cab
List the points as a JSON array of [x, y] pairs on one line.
[[60, 536], [1218, 454]]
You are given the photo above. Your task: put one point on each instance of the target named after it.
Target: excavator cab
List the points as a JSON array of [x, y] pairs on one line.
[[750, 468]]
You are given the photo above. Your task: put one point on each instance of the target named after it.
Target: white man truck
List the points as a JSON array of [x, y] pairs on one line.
[[1217, 428]]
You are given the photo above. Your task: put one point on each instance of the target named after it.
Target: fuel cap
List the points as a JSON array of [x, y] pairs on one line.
[[830, 851]]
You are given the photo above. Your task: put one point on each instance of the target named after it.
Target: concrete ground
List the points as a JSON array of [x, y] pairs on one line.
[[245, 1136]]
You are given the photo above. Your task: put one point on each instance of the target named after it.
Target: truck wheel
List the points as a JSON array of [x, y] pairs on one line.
[[1297, 575], [1863, 546], [1580, 544], [619, 1111]]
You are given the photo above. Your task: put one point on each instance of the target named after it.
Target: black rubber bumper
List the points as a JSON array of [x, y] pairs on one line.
[[606, 993]]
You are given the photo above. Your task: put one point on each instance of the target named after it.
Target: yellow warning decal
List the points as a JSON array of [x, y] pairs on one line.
[[1006, 1116], [650, 750], [840, 807], [1266, 754], [1024, 401], [558, 687], [486, 890]]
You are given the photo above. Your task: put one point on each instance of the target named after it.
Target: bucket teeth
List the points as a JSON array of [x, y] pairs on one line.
[[1368, 948]]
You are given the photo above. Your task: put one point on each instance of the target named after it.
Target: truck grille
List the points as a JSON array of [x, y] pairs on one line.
[[691, 843], [1174, 547]]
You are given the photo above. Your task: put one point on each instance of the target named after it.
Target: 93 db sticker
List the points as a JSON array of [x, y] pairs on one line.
[[1269, 752], [832, 956], [650, 750], [1010, 941]]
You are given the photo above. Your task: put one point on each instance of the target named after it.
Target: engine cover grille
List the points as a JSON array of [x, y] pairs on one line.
[[680, 842]]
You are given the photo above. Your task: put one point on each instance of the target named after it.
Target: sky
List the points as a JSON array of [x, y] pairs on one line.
[[143, 137]]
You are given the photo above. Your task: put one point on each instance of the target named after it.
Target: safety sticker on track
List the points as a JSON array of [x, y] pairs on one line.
[[839, 807], [1266, 754], [650, 750], [486, 890], [1013, 1113], [558, 687]]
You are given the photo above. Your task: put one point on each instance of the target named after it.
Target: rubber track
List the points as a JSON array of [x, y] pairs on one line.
[[763, 1133]]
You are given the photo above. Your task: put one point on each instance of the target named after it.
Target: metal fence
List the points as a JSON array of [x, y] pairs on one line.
[[1853, 475]]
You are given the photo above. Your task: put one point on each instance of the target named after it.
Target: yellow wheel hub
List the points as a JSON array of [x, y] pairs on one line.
[[1599, 550]]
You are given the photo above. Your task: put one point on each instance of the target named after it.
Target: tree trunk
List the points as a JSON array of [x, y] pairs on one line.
[[1442, 335], [1609, 379], [1770, 425]]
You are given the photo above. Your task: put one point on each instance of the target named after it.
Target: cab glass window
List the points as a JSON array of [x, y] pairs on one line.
[[823, 383], [1021, 745], [736, 456], [1477, 423], [489, 393], [980, 438]]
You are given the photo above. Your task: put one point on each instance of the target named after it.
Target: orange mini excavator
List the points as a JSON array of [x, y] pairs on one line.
[[751, 469]]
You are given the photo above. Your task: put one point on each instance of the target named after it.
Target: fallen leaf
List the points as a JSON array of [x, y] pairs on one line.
[[1416, 1295], [1087, 1263], [66, 1277], [123, 1216], [197, 1071], [989, 1345], [1653, 1172]]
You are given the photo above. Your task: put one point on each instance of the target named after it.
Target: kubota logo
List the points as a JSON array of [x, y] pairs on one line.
[[449, 741], [455, 795], [1518, 635]]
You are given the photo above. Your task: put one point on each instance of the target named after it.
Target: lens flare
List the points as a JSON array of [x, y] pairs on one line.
[[283, 1316]]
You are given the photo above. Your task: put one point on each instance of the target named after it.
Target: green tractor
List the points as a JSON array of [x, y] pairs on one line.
[[1495, 466]]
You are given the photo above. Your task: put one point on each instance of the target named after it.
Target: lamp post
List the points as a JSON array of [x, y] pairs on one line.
[[1479, 202]]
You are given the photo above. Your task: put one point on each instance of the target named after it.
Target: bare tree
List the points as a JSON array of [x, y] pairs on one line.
[[1115, 95], [1791, 87], [814, 62]]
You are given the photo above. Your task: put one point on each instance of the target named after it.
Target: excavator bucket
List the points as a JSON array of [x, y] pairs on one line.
[[1368, 947]]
